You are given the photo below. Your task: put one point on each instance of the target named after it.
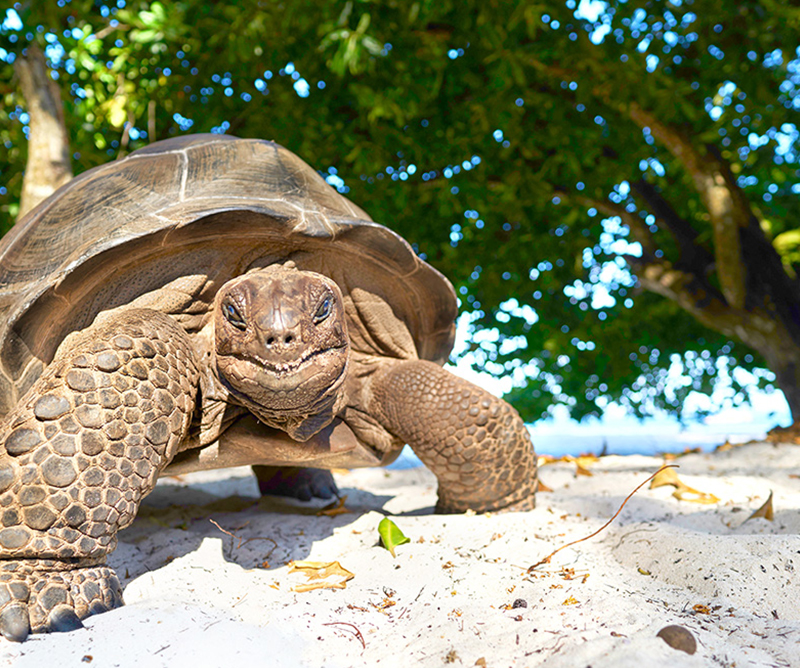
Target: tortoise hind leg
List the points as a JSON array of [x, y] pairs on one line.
[[296, 482], [475, 443], [77, 455]]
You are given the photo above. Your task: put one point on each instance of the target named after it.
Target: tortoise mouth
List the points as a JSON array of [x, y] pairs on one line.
[[287, 386], [282, 368]]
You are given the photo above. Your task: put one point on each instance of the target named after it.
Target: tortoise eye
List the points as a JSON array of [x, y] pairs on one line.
[[323, 310], [233, 316]]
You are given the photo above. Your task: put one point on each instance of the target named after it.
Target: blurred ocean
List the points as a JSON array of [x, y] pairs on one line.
[[647, 438], [620, 434], [627, 436]]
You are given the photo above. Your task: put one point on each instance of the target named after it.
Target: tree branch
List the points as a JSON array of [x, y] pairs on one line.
[[691, 292], [681, 230], [692, 254], [639, 229], [728, 212], [685, 284], [48, 165]]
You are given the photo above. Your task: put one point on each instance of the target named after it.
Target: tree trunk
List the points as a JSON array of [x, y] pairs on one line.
[[787, 378], [756, 301], [49, 165], [777, 339], [768, 323]]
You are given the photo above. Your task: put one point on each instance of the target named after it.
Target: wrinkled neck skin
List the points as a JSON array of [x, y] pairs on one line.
[[300, 422], [281, 349]]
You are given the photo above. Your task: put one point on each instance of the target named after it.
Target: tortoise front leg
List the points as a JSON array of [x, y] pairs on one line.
[[77, 455], [475, 443]]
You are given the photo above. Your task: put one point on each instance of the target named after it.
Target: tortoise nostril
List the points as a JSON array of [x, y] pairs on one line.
[[289, 338], [270, 340]]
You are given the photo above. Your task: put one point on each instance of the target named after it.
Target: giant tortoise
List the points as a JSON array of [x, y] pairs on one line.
[[208, 302]]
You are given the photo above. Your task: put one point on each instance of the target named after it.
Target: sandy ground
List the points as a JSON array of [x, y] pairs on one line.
[[459, 593]]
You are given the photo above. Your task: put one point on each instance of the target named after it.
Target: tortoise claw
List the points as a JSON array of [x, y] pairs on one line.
[[63, 619], [324, 487], [97, 607], [15, 624]]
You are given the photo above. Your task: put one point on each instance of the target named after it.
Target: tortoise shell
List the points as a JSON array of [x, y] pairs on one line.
[[214, 206]]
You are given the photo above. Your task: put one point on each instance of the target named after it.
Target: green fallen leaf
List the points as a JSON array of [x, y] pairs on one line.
[[390, 534]]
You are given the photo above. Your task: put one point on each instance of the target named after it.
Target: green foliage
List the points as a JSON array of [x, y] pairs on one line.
[[480, 131], [353, 49]]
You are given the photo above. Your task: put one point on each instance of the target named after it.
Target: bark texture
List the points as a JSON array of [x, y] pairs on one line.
[[753, 299], [48, 165], [737, 285]]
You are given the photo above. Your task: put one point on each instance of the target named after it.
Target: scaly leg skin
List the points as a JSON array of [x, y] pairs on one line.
[[475, 444], [296, 482], [77, 455]]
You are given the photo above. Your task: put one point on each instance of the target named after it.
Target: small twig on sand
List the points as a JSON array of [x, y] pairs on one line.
[[233, 536], [243, 541], [271, 540], [225, 531], [357, 633], [546, 560]]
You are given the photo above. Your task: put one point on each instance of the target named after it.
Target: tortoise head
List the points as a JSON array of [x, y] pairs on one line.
[[282, 347]]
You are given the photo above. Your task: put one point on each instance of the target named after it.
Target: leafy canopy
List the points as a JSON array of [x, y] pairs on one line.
[[493, 135]]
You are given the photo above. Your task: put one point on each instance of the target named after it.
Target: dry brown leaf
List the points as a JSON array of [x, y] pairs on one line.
[[727, 445], [682, 491], [672, 456], [581, 463], [335, 508], [686, 493], [544, 487], [765, 510], [544, 460], [665, 477], [320, 571], [790, 434]]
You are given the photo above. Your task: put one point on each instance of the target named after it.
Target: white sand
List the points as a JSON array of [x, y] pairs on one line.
[[196, 597]]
